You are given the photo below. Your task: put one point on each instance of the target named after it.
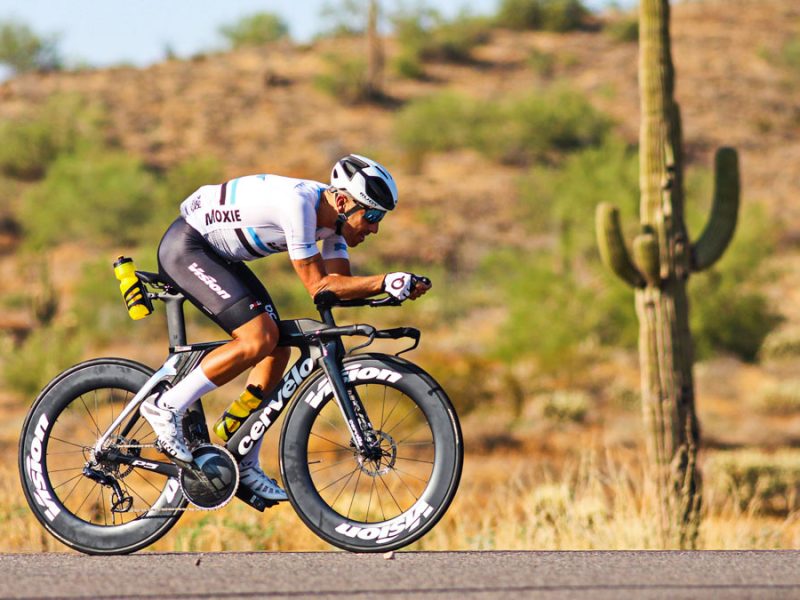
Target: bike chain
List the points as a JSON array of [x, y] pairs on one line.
[[189, 508]]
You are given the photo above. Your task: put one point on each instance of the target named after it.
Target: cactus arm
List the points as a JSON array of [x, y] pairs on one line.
[[724, 210], [612, 245], [645, 253]]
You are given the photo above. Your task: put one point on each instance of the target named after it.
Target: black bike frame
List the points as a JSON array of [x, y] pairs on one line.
[[320, 345]]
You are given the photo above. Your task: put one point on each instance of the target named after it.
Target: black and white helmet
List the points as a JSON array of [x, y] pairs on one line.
[[368, 182]]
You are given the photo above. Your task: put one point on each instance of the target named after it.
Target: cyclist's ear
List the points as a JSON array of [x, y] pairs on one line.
[[340, 201]]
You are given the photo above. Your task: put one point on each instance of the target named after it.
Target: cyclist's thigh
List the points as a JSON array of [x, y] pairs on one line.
[[227, 292], [257, 290]]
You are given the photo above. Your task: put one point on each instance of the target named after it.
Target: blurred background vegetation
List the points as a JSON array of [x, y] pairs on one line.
[[74, 180], [523, 321]]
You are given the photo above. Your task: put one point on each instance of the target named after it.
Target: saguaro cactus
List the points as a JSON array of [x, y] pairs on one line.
[[659, 267]]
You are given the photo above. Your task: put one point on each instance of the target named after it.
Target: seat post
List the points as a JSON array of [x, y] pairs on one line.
[[176, 322]]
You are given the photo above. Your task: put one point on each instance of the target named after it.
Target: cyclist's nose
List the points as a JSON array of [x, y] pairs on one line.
[[373, 227]]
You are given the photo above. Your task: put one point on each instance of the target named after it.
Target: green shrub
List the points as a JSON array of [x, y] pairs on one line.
[[65, 123], [172, 188], [560, 299], [27, 148], [725, 318], [344, 18], [453, 41], [534, 127], [437, 123], [425, 35], [729, 311], [553, 317], [790, 53], [519, 131], [543, 63], [346, 78], [409, 65], [23, 50], [560, 199], [547, 15], [48, 351], [100, 197], [255, 30], [623, 28]]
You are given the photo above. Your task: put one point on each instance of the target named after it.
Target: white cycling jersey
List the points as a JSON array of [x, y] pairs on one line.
[[259, 215]]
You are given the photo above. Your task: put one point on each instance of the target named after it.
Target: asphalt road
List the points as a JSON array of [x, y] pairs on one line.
[[435, 575]]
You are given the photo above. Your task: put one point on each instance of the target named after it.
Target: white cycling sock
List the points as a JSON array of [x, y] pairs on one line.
[[251, 458], [187, 391]]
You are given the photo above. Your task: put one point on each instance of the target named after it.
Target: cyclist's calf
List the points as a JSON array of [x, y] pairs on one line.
[[252, 343]]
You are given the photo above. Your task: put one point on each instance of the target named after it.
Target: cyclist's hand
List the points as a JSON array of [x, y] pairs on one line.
[[405, 285], [420, 285]]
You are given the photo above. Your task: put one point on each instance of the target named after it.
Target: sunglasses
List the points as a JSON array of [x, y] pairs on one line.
[[371, 215]]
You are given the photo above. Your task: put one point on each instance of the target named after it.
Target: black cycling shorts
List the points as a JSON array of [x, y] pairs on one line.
[[226, 291]]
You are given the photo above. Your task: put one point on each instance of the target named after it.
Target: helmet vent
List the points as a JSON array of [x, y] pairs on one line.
[[352, 165], [380, 192]]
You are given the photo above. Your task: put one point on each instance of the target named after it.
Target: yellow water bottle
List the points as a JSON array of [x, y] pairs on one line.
[[238, 412], [133, 292]]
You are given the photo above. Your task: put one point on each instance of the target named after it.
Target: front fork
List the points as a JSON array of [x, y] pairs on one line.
[[361, 431]]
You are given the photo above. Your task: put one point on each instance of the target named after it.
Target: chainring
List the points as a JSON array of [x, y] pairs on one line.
[[212, 480]]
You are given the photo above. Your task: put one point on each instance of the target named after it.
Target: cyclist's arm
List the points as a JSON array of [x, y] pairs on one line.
[[338, 266], [315, 277]]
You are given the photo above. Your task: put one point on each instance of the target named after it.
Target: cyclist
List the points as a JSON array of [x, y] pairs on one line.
[[203, 252]]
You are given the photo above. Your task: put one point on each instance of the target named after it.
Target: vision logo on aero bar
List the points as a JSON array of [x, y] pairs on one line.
[[33, 464], [209, 281], [384, 534]]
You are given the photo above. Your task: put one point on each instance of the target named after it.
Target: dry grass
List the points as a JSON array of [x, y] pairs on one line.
[[598, 500], [529, 482]]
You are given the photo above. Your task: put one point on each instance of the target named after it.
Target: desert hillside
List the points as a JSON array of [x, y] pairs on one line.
[[260, 110]]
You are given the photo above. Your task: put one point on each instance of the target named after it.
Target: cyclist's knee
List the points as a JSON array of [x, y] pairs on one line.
[[256, 339], [254, 350]]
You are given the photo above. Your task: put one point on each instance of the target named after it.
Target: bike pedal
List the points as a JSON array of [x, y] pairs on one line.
[[253, 499]]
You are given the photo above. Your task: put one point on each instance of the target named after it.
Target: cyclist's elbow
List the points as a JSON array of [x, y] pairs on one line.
[[321, 288]]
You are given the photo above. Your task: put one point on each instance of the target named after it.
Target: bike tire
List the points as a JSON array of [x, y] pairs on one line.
[[418, 474], [62, 425]]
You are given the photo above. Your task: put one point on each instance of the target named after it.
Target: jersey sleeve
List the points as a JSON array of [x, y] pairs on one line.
[[334, 247], [299, 222]]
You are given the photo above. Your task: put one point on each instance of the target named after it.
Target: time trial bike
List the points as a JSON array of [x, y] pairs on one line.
[[370, 450]]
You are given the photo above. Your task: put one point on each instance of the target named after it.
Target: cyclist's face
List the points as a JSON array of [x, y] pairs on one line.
[[359, 225]]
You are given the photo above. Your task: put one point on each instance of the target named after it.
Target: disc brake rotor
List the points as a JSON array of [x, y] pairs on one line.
[[384, 464]]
